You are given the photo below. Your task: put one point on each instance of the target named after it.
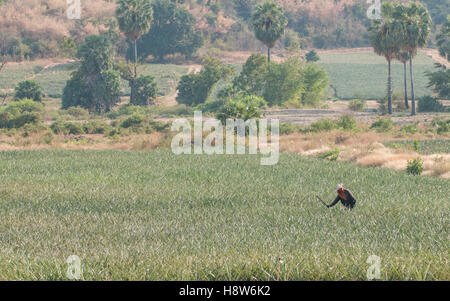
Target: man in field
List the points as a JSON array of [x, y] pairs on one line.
[[345, 196]]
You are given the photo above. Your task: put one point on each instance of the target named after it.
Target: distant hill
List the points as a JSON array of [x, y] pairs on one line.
[[37, 28]]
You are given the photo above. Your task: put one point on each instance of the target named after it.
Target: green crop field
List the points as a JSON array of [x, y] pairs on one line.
[[154, 215], [364, 75], [426, 147], [54, 78]]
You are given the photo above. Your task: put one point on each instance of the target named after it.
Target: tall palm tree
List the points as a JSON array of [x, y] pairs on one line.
[[135, 18], [416, 22], [384, 37], [403, 57], [269, 24]]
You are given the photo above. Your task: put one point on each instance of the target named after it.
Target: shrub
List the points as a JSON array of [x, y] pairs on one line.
[[28, 89], [77, 112], [346, 122], [323, 125], [134, 121], [415, 167], [67, 128], [357, 105], [288, 128], [443, 128], [19, 113], [331, 155], [24, 105], [410, 128], [96, 127], [382, 125], [430, 104], [312, 56]]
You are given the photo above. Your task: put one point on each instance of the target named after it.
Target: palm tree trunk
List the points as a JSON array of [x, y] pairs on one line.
[[268, 57], [135, 58], [413, 100], [389, 86], [406, 86]]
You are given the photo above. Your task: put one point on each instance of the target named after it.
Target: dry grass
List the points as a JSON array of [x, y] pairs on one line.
[[365, 149]]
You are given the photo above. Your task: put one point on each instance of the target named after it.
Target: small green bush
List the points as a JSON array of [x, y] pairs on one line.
[[382, 125], [357, 105], [67, 128], [415, 167], [347, 123], [77, 112], [332, 155], [430, 104], [96, 127], [323, 125], [134, 121], [410, 129], [288, 128]]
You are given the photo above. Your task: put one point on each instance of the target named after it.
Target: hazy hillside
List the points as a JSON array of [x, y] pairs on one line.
[[36, 28]]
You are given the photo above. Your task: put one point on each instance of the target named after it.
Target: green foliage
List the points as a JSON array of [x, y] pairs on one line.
[[284, 82], [134, 17], [134, 121], [430, 104], [382, 125], [443, 127], [410, 128], [241, 107], [312, 56], [195, 88], [252, 78], [269, 23], [19, 113], [347, 123], [174, 30], [28, 89], [287, 128], [443, 39], [415, 167], [322, 125], [316, 83], [332, 155], [439, 81], [95, 85], [144, 90], [357, 105]]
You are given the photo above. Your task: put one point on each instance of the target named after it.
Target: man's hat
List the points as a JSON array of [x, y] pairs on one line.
[[339, 186]]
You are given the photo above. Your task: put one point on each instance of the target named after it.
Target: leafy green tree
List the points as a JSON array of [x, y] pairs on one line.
[[443, 39], [384, 38], [252, 78], [95, 85], [28, 89], [439, 81], [416, 27], [315, 81], [172, 31], [145, 90], [195, 88], [269, 24]]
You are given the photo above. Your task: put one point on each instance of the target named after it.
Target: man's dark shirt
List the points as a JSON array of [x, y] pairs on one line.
[[350, 202]]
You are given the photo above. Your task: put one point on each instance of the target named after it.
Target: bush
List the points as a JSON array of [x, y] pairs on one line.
[[443, 127], [410, 128], [77, 112], [67, 128], [134, 121], [346, 122], [415, 167], [357, 105], [323, 125], [382, 125], [28, 89], [19, 113], [331, 155], [312, 56], [96, 127], [288, 128], [430, 104]]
